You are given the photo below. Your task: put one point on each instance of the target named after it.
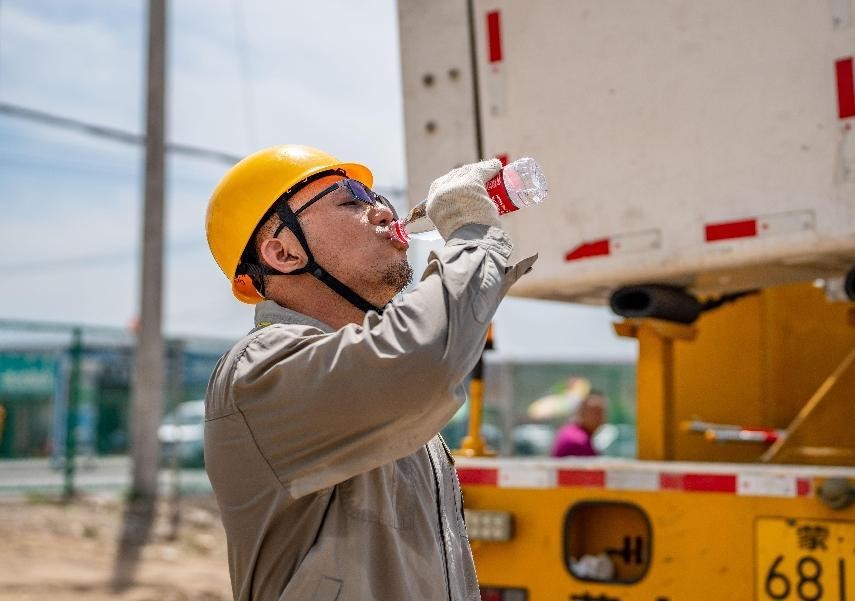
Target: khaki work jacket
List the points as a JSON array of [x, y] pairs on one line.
[[322, 445]]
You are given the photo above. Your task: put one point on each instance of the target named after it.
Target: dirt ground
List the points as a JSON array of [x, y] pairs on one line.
[[63, 552]]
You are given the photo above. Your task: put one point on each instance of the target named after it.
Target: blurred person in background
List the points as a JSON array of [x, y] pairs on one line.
[[321, 424], [575, 437]]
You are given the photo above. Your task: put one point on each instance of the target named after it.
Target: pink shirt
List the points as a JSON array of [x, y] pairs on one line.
[[572, 439]]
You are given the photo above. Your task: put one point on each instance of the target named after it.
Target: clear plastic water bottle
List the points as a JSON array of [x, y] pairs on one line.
[[518, 185]]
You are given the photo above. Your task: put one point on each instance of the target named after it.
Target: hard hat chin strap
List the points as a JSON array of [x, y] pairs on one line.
[[289, 220], [341, 289]]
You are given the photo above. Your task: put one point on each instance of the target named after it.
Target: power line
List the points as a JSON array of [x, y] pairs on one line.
[[116, 170], [134, 139], [110, 133], [37, 266]]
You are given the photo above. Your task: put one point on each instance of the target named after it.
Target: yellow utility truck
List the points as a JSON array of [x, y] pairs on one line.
[[701, 163]]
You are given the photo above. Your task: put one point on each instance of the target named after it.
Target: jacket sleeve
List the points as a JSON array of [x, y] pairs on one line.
[[324, 407]]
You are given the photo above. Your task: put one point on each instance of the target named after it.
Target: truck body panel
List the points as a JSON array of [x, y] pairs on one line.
[[705, 145]]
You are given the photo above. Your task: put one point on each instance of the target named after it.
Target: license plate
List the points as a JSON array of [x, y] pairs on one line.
[[804, 560]]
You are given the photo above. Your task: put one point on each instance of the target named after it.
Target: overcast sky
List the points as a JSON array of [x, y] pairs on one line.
[[242, 76]]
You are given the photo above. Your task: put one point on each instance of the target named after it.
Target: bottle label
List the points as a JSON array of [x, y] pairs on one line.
[[399, 231], [499, 195]]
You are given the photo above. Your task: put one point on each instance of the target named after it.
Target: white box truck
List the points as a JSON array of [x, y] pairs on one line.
[[697, 152]]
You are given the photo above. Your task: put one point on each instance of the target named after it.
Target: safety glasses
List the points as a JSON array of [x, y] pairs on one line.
[[357, 191]]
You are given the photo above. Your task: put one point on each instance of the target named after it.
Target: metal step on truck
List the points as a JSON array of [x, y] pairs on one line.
[[701, 163]]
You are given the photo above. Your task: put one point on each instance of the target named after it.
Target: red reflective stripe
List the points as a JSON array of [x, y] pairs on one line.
[[471, 475], [803, 487], [845, 88], [698, 482], [595, 478], [494, 37], [674, 481], [730, 230], [597, 248], [670, 481], [709, 483]]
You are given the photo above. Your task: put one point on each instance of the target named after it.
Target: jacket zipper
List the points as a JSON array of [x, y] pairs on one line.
[[439, 520]]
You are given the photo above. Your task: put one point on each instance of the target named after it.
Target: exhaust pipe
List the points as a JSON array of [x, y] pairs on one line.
[[656, 301]]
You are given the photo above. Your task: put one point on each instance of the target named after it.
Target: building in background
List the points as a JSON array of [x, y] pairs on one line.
[[35, 383]]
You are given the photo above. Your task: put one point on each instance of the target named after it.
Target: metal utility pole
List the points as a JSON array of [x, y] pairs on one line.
[[148, 383], [72, 404]]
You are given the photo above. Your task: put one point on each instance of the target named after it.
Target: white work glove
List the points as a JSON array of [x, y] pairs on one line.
[[459, 198]]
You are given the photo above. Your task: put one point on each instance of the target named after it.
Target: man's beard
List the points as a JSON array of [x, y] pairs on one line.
[[398, 275]]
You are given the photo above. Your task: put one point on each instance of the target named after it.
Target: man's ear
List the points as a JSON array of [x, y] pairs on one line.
[[283, 253]]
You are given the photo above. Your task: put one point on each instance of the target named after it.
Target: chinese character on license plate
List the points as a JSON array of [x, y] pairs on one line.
[[805, 560]]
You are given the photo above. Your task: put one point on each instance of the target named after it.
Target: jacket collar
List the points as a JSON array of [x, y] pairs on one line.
[[268, 312]]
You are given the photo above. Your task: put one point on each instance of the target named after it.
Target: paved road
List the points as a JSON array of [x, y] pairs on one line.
[[22, 477]]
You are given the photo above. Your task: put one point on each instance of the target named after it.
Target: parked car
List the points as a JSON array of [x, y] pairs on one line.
[[182, 434]]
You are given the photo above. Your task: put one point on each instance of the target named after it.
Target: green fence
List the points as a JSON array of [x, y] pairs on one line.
[[46, 368]]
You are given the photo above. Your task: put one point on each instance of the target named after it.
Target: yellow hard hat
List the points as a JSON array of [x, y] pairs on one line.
[[249, 189]]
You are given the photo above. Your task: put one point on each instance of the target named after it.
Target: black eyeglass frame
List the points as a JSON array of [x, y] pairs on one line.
[[353, 187]]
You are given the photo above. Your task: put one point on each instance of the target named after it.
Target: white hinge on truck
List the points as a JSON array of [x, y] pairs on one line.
[[696, 152]]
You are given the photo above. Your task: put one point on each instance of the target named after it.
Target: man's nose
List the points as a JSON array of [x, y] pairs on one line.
[[380, 214]]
